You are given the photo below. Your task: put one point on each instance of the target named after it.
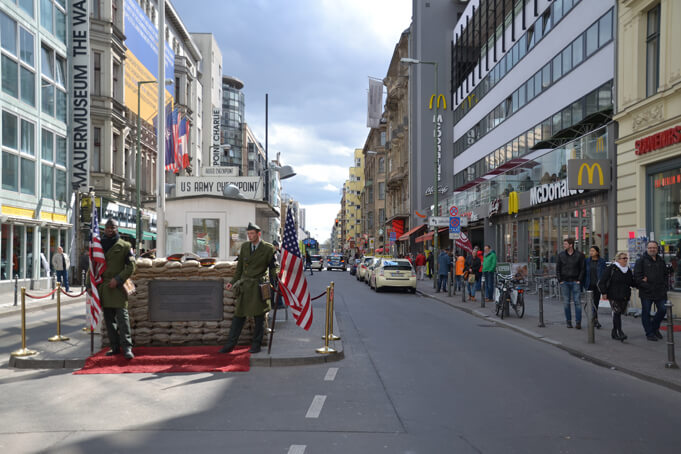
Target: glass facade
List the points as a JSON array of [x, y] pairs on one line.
[[231, 126]]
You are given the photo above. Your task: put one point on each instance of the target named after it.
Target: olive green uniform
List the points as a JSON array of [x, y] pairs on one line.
[[120, 265]]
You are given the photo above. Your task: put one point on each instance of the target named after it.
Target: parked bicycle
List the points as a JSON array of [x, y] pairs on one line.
[[509, 293]]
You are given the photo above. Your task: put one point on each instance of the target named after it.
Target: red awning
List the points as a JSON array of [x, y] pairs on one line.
[[429, 236], [380, 249], [406, 236]]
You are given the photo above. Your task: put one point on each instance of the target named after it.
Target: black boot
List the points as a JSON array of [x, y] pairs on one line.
[[258, 332], [615, 334], [622, 335], [234, 333]]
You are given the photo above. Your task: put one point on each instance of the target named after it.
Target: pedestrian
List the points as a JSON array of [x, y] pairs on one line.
[[489, 268], [458, 272], [420, 263], [120, 265], [615, 286], [444, 262], [61, 265], [308, 262], [570, 272], [478, 272], [256, 257], [652, 279], [471, 277], [593, 269], [430, 260]]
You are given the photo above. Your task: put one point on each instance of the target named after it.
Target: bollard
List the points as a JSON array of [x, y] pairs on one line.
[[590, 308], [58, 337], [82, 280], [16, 288], [23, 351], [671, 360], [326, 349], [450, 282], [482, 291], [332, 299], [53, 281], [463, 291], [540, 292]]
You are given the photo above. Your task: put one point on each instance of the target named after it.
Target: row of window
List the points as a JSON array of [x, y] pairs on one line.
[[586, 44], [52, 15], [542, 26], [19, 159], [599, 100]]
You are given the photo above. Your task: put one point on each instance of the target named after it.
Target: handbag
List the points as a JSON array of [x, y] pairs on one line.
[[129, 287], [265, 291], [471, 278]]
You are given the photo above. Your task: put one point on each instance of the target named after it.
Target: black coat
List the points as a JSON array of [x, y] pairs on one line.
[[616, 284], [570, 267], [656, 285]]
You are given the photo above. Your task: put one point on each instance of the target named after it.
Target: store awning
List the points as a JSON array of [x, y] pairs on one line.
[[148, 236], [429, 236], [125, 231], [406, 236]]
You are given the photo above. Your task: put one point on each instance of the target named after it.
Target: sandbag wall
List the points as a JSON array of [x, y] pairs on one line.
[[189, 332]]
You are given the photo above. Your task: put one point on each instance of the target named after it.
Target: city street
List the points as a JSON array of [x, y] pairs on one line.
[[418, 377]]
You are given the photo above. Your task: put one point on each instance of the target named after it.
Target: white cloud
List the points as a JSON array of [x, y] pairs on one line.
[[319, 219], [331, 188]]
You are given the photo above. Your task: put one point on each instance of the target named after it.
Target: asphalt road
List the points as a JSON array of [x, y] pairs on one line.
[[418, 377]]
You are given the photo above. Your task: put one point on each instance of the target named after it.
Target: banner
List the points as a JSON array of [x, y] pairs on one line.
[[374, 103], [80, 94]]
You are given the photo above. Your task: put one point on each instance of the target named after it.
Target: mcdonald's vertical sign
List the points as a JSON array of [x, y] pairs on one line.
[[437, 119], [589, 173], [513, 203]]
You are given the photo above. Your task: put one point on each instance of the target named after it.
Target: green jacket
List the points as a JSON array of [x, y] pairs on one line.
[[120, 265], [250, 272], [490, 262]]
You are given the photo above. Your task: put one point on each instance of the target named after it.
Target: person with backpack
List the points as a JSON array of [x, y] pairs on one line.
[[615, 286], [594, 266]]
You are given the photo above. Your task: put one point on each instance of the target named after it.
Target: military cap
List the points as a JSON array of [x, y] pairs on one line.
[[252, 226]]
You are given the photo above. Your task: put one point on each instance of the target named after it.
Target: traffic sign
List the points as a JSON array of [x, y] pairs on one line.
[[454, 236], [454, 222], [453, 211], [438, 221]]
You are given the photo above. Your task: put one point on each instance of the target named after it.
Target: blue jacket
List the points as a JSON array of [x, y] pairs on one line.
[[600, 267], [444, 261]]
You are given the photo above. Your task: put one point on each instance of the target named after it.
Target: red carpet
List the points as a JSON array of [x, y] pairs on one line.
[[156, 360], [677, 328]]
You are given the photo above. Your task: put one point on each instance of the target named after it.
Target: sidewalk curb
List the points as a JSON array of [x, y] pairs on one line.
[[573, 351]]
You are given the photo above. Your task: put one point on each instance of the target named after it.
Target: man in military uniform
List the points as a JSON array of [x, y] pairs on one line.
[[255, 258], [120, 265]]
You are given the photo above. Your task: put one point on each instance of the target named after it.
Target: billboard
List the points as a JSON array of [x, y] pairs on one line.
[[80, 94], [141, 62]]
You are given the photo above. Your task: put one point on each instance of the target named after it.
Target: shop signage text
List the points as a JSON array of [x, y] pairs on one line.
[[657, 141], [441, 190], [438, 135], [80, 93], [215, 149], [551, 191], [230, 171]]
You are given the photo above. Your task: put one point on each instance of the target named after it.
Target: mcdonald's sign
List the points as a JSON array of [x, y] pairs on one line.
[[513, 203], [600, 145], [597, 172], [439, 97]]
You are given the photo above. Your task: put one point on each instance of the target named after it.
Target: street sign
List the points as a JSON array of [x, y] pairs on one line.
[[438, 221], [454, 225], [453, 211], [454, 236], [393, 236]]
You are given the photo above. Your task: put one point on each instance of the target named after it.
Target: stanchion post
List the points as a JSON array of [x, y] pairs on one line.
[[53, 285], [23, 351], [82, 280], [671, 360], [332, 298], [58, 337], [590, 308], [482, 291], [540, 294], [16, 288], [326, 349]]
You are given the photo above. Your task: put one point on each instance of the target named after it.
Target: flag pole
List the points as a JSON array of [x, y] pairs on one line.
[[160, 137], [275, 293], [93, 219]]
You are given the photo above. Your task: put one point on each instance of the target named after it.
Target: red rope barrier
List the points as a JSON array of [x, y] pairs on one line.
[[41, 297], [319, 296], [72, 295]]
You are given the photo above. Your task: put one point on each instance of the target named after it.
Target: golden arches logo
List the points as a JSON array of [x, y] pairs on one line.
[[439, 97], [600, 144], [513, 203], [590, 169]]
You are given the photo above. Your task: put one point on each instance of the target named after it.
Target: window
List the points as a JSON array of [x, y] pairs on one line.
[[605, 29], [95, 11], [567, 59], [381, 191], [27, 137], [381, 164], [27, 176], [557, 67], [9, 131], [95, 162], [47, 145], [46, 17], [97, 67], [10, 180], [27, 6], [592, 39], [47, 181], [653, 51], [578, 50], [18, 166], [546, 76]]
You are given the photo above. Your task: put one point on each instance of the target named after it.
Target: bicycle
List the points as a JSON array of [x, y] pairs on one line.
[[510, 292]]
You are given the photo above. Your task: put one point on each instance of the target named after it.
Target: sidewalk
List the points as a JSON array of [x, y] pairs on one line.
[[636, 356], [291, 344]]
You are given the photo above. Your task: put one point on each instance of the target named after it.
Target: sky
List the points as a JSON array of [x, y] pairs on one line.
[[313, 58]]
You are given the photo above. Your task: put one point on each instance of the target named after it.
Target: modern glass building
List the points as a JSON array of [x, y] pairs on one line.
[[232, 122]]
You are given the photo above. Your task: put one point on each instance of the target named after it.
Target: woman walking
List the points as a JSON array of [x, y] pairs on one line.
[[594, 266], [615, 285]]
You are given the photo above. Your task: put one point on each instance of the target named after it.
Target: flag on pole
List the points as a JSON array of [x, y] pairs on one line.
[[97, 267], [182, 142], [170, 148], [176, 140], [292, 281]]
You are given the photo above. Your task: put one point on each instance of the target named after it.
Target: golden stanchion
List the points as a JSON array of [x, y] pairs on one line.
[[331, 336], [326, 349], [23, 351], [58, 337]]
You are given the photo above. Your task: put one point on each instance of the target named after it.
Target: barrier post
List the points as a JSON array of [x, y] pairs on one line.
[[23, 351], [540, 293], [82, 280], [16, 288], [58, 337], [332, 300], [591, 339], [450, 283], [326, 349], [54, 278], [482, 291], [671, 360]]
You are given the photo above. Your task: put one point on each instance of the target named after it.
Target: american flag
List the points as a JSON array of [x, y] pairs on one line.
[[97, 267], [292, 278]]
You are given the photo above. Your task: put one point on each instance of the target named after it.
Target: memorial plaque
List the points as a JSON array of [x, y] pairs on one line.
[[185, 301]]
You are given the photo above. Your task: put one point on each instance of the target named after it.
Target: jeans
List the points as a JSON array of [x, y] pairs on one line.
[[420, 272], [570, 291], [478, 283], [489, 284], [442, 282], [308, 266], [458, 283], [63, 278], [471, 289], [652, 326]]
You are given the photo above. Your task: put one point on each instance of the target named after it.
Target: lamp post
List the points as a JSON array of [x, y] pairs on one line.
[[413, 61]]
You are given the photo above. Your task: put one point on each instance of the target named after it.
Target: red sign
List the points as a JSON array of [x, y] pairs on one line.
[[398, 226], [453, 211], [657, 141]]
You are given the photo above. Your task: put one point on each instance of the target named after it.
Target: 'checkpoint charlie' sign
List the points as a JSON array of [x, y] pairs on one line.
[[250, 187]]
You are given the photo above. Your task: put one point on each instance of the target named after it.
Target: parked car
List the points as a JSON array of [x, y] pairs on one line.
[[393, 273], [363, 267], [317, 262], [336, 261], [370, 270]]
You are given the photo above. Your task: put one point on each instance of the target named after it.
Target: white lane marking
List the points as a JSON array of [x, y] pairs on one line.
[[297, 449], [331, 374], [316, 406]]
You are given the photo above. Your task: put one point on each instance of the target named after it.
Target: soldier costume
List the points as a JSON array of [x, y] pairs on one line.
[[253, 262]]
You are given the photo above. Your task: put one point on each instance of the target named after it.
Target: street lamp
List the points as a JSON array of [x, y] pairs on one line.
[[138, 225], [385, 192], [414, 61]]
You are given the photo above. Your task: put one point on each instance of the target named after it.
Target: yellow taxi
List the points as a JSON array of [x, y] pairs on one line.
[[364, 264], [393, 273]]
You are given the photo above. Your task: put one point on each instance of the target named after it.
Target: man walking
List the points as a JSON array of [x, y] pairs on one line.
[[61, 264], [420, 263], [570, 272], [120, 265], [444, 263], [308, 261], [255, 258], [489, 268], [652, 277]]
